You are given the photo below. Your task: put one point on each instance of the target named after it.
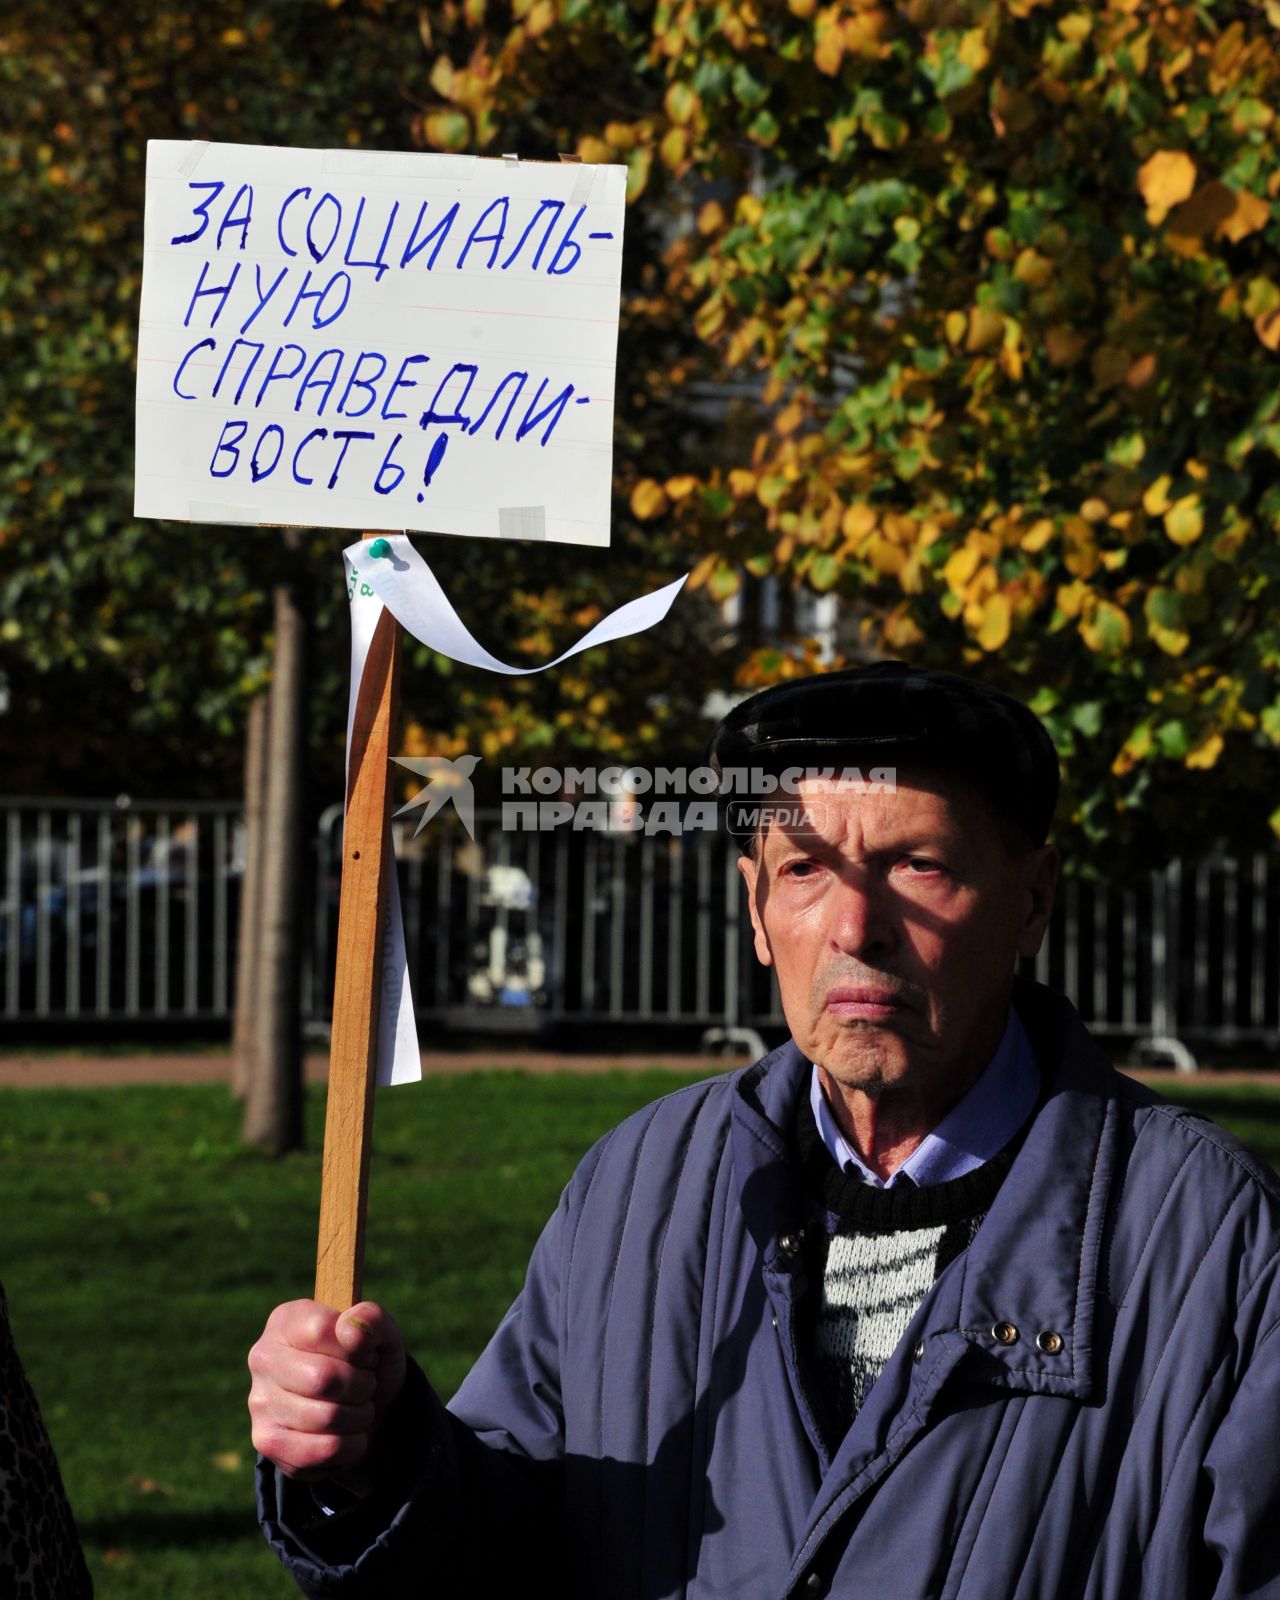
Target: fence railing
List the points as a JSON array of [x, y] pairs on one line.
[[129, 914]]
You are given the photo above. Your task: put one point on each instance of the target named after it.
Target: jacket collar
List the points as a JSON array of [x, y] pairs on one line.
[[1034, 1265]]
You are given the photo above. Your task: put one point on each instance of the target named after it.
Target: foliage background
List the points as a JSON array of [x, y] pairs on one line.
[[963, 310]]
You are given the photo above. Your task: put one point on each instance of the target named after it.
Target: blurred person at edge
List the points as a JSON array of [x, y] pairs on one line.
[[40, 1555], [931, 1301]]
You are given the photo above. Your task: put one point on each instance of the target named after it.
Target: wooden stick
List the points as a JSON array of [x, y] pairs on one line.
[[366, 861]]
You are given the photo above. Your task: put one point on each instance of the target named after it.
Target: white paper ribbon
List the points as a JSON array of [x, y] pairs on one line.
[[399, 579]]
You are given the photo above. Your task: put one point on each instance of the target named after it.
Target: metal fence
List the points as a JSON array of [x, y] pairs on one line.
[[131, 914]]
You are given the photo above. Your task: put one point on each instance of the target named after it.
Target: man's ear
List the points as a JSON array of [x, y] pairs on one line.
[[749, 867], [1040, 881]]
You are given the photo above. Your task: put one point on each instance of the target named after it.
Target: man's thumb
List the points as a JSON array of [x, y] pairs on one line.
[[365, 1332]]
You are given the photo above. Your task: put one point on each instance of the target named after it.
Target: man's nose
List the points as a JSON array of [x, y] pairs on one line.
[[861, 918]]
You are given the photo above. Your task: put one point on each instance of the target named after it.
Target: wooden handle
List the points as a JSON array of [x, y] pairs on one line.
[[367, 859]]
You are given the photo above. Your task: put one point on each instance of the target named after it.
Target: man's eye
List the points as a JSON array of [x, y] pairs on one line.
[[921, 864], [799, 869]]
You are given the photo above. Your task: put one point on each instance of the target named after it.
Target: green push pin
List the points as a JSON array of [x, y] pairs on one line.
[[379, 549]]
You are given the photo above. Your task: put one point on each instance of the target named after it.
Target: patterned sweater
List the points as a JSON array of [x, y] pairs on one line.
[[875, 1254]]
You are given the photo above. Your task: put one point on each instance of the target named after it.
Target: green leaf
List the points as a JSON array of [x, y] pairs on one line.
[[824, 571], [1173, 739], [764, 128], [1086, 718]]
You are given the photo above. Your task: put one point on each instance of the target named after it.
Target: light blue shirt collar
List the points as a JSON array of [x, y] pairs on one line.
[[971, 1133]]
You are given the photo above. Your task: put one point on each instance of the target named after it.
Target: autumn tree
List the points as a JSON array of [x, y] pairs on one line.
[[964, 311], [994, 282]]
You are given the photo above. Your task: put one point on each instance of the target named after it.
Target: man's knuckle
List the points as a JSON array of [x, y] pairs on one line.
[[314, 1327], [271, 1440]]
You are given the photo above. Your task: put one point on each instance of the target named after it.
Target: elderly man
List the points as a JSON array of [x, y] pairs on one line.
[[929, 1302]]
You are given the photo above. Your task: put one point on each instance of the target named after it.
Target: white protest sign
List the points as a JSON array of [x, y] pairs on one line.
[[360, 339]]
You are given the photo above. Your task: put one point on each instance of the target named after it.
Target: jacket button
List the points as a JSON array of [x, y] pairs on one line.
[[917, 1355], [789, 1244], [1050, 1343], [1004, 1333], [813, 1583]]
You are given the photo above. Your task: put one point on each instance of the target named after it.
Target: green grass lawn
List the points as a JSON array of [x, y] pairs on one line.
[[142, 1250]]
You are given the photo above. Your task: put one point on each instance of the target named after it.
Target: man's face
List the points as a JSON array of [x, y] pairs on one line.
[[893, 923]]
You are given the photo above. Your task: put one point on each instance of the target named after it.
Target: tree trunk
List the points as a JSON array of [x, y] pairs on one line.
[[249, 950], [273, 1108]]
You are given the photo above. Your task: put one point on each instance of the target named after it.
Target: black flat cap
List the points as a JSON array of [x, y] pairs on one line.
[[868, 716]]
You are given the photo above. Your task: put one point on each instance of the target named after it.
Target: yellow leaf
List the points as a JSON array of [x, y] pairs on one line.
[[620, 135], [866, 33], [1071, 597], [789, 418], [1250, 214], [702, 571], [1164, 180], [974, 50], [956, 325], [680, 488], [828, 53], [985, 327], [1184, 520], [885, 557], [996, 618], [673, 147], [1173, 641], [900, 631], [682, 103], [1037, 535], [1205, 753], [1079, 548], [1032, 268], [648, 500], [711, 217], [639, 162], [447, 130], [961, 566], [1267, 327], [857, 521], [1135, 747], [1155, 502]]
